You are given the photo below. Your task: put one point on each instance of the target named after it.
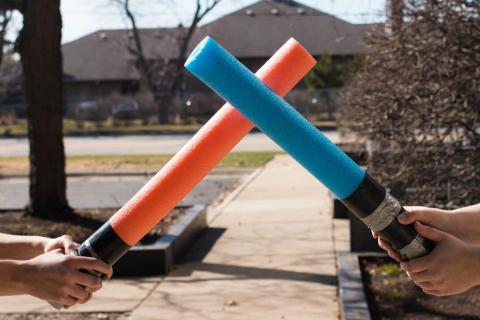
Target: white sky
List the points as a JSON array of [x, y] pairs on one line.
[[81, 17]]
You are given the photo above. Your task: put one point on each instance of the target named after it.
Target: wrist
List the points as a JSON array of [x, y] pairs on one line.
[[36, 247], [466, 224], [476, 263], [13, 277], [40, 243], [455, 219], [23, 275]]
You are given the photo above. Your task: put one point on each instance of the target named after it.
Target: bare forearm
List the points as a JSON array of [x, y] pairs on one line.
[[21, 247], [473, 209], [468, 218], [11, 280]]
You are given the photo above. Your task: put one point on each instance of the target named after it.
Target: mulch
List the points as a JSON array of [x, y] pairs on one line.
[[394, 296], [81, 225]]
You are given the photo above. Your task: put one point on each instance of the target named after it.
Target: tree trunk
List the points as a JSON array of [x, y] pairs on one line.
[[40, 50], [163, 103]]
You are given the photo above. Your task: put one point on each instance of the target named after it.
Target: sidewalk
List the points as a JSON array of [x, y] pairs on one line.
[[269, 255]]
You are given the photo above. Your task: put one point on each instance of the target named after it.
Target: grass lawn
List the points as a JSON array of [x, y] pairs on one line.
[[128, 163], [71, 128]]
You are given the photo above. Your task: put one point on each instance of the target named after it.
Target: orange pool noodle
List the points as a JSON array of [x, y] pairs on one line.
[[206, 148]]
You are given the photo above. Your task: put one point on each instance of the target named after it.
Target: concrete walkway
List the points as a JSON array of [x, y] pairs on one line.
[[269, 255]]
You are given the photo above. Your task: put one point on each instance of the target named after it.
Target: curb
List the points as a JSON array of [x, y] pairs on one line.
[[126, 174], [88, 174], [353, 302], [158, 258]]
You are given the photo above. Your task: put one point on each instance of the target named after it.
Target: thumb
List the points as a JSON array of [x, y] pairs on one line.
[[429, 232], [412, 215], [64, 243], [67, 244], [72, 248]]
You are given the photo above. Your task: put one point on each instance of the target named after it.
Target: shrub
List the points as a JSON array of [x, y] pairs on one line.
[[416, 101]]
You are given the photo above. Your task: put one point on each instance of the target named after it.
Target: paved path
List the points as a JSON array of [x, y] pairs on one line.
[[273, 257], [139, 144], [114, 191]]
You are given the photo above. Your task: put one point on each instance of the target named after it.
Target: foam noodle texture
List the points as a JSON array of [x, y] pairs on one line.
[[210, 145], [289, 129]]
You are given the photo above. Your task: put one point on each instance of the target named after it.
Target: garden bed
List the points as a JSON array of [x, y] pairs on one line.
[[157, 252], [372, 286], [392, 295], [80, 227]]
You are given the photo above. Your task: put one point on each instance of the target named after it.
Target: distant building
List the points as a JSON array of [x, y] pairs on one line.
[[99, 64]]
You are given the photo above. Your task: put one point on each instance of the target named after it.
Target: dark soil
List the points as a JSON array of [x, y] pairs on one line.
[[83, 223], [65, 316], [392, 295]]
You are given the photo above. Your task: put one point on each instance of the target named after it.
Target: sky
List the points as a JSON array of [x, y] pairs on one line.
[[81, 17]]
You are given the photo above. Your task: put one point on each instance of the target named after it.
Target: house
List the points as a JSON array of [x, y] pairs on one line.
[[99, 65]]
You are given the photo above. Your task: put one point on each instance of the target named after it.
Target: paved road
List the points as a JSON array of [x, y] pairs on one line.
[[141, 144], [113, 192]]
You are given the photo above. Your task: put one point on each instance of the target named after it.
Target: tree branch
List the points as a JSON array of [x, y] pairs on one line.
[[137, 49], [208, 9], [164, 75], [185, 41]]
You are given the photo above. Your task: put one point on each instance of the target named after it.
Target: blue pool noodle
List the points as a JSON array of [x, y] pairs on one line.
[[224, 74]]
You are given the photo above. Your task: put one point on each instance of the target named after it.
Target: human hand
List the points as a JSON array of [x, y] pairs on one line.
[[387, 247], [64, 243], [56, 277], [437, 218], [451, 268], [444, 220]]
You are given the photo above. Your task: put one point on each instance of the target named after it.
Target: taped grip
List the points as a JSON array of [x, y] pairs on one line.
[[378, 209]]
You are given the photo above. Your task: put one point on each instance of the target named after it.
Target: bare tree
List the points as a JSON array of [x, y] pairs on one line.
[[163, 77], [39, 44]]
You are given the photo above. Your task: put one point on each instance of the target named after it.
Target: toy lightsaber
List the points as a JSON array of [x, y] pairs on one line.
[[274, 116], [192, 163]]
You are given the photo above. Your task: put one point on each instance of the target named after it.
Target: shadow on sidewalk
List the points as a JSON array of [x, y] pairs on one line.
[[192, 261], [249, 273], [202, 245]]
